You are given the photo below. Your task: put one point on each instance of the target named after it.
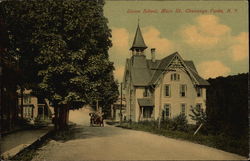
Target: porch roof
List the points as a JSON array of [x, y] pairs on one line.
[[145, 102]]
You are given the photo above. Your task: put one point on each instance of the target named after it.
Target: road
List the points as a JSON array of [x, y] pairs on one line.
[[112, 143]]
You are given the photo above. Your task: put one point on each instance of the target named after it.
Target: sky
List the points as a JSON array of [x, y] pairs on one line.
[[214, 34]]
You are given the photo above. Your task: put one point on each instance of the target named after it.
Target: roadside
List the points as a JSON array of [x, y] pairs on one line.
[[238, 146], [110, 143], [13, 143]]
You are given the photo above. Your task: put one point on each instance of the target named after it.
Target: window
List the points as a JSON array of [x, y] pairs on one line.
[[183, 108], [183, 90], [166, 113], [167, 90], [199, 106], [27, 110], [146, 92], [175, 77], [27, 99], [199, 91]]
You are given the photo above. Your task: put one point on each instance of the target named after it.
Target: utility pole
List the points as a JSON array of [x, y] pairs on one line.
[[97, 106], [130, 86], [121, 106]]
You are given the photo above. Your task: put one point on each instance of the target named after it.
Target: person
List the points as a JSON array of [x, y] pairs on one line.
[[100, 117], [91, 118]]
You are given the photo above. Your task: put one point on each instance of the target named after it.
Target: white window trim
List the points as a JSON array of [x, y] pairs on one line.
[[177, 75], [185, 108], [164, 91], [185, 90], [169, 105]]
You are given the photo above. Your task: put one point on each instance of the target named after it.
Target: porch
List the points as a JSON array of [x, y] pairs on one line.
[[146, 109]]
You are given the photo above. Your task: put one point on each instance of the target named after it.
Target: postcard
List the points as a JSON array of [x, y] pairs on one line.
[[124, 80]]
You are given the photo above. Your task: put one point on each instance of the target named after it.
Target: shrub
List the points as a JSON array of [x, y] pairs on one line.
[[198, 115], [180, 123]]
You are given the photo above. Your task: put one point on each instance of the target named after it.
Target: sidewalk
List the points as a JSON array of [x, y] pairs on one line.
[[13, 143]]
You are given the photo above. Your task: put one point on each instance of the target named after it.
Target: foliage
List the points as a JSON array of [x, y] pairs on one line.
[[180, 123], [63, 48], [227, 143], [198, 115], [26, 155], [227, 106]]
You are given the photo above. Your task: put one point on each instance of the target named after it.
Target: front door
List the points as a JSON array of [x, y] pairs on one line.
[[147, 112]]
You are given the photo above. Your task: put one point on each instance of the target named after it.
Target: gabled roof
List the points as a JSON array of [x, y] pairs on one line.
[[200, 80], [138, 42], [162, 66], [144, 72]]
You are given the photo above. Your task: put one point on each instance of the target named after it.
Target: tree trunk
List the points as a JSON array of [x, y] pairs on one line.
[[56, 117], [61, 117]]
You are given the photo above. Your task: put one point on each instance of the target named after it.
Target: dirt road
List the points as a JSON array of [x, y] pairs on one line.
[[111, 143]]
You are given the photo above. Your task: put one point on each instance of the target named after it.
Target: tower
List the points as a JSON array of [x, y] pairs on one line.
[[138, 45]]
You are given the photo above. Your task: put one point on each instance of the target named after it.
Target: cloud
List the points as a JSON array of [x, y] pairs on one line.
[[213, 69], [118, 73], [208, 35], [209, 24], [119, 51], [153, 39], [207, 32], [239, 50], [120, 40]]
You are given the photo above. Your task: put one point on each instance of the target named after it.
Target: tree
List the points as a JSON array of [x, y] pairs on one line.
[[198, 115], [227, 105], [63, 47]]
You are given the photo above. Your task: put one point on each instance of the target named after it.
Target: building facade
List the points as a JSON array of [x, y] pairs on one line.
[[35, 107], [119, 108], [160, 88]]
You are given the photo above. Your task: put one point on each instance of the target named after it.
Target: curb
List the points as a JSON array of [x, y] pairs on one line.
[[26, 147]]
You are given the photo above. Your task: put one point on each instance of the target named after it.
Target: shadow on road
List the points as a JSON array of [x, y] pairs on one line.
[[84, 132]]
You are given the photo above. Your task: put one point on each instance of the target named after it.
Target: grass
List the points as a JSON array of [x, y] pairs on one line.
[[26, 155], [223, 142]]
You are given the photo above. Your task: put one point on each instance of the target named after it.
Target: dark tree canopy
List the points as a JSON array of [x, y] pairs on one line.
[[227, 105], [63, 49]]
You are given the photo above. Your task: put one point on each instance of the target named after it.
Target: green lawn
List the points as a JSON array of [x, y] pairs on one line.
[[223, 142]]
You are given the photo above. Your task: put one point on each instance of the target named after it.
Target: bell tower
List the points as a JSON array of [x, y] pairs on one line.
[[138, 45]]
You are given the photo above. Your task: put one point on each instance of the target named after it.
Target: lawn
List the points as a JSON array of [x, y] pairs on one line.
[[222, 141]]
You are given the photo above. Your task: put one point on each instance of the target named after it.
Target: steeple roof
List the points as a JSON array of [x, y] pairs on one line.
[[138, 40]]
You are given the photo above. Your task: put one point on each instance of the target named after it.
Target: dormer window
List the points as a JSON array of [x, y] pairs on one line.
[[146, 92], [175, 77]]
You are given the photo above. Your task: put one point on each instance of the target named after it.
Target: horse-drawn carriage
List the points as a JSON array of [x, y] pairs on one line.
[[96, 119]]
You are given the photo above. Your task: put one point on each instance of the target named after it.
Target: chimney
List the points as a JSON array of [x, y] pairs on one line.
[[153, 55]]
